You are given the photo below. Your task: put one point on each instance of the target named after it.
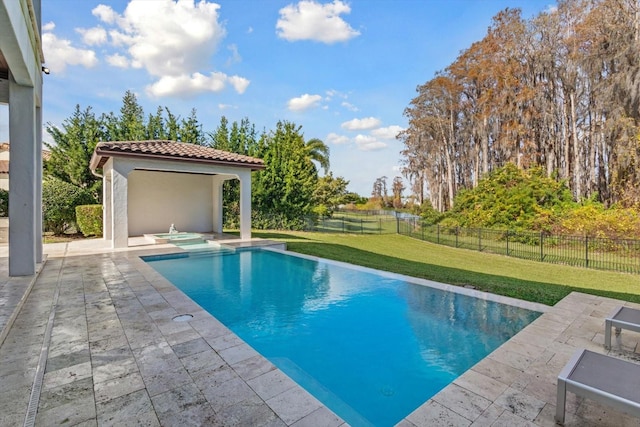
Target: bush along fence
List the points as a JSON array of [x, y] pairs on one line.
[[622, 255]]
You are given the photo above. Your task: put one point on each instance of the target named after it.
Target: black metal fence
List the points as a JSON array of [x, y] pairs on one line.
[[622, 255], [355, 224]]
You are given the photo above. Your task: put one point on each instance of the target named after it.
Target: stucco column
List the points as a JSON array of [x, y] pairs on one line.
[[107, 231], [38, 189], [217, 196], [119, 214], [245, 205], [22, 176]]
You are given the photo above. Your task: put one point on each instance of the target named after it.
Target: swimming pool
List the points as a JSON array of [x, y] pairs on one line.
[[369, 346]]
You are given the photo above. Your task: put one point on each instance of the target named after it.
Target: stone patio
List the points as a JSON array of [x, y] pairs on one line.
[[94, 343]]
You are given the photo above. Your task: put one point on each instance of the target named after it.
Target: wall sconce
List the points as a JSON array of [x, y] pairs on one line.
[[45, 70]]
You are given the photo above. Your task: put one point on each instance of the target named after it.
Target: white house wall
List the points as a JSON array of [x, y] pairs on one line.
[[158, 199]]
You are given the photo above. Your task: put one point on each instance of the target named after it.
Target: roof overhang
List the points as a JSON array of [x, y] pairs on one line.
[[170, 151]]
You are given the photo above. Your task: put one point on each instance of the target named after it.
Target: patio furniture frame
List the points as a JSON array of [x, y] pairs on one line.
[[605, 379], [621, 318]]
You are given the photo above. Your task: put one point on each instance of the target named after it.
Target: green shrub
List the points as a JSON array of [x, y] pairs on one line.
[[59, 201], [513, 198], [4, 203], [276, 221], [322, 211], [89, 219], [593, 220], [429, 214]]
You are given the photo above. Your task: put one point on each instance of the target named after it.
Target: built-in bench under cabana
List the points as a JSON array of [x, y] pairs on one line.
[[149, 185]]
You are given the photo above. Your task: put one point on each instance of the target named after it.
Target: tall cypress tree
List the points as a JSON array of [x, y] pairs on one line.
[[286, 186], [72, 149]]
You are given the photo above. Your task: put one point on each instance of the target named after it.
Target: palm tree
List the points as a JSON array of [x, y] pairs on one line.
[[318, 152]]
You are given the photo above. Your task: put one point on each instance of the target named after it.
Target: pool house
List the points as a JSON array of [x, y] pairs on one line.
[[150, 185]]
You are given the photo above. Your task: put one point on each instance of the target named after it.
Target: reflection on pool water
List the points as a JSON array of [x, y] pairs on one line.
[[370, 347]]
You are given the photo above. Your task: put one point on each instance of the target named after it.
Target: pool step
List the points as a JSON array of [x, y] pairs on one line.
[[183, 241], [195, 246]]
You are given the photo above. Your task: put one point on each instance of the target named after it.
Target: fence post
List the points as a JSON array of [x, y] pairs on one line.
[[479, 239], [397, 225], [508, 242], [586, 251], [380, 226], [438, 233], [343, 224], [457, 232], [541, 246], [422, 229]]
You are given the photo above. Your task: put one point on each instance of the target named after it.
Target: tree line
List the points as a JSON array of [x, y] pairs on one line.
[[286, 194], [560, 91]]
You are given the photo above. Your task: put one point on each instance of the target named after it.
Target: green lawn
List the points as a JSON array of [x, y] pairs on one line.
[[527, 280]]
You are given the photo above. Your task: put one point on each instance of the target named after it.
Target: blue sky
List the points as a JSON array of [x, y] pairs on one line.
[[344, 71]]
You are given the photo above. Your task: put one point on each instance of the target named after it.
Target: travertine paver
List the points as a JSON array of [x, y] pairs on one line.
[[116, 355], [13, 292]]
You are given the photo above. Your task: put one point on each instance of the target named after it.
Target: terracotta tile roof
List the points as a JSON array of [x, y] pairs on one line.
[[170, 150], [4, 164]]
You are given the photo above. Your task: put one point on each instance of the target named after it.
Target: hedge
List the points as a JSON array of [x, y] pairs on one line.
[[89, 219], [59, 201]]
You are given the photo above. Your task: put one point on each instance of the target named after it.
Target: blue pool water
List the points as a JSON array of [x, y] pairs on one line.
[[371, 348]]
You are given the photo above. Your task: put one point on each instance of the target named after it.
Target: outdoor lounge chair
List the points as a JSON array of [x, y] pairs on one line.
[[621, 318], [605, 379]]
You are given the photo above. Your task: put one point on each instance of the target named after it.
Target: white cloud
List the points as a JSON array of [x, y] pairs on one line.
[[390, 132], [368, 143], [235, 55], [240, 84], [334, 138], [93, 36], [48, 27], [332, 92], [187, 85], [304, 102], [174, 42], [168, 39], [59, 53], [226, 106], [119, 39], [349, 106], [309, 20], [361, 124], [105, 13], [118, 61]]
